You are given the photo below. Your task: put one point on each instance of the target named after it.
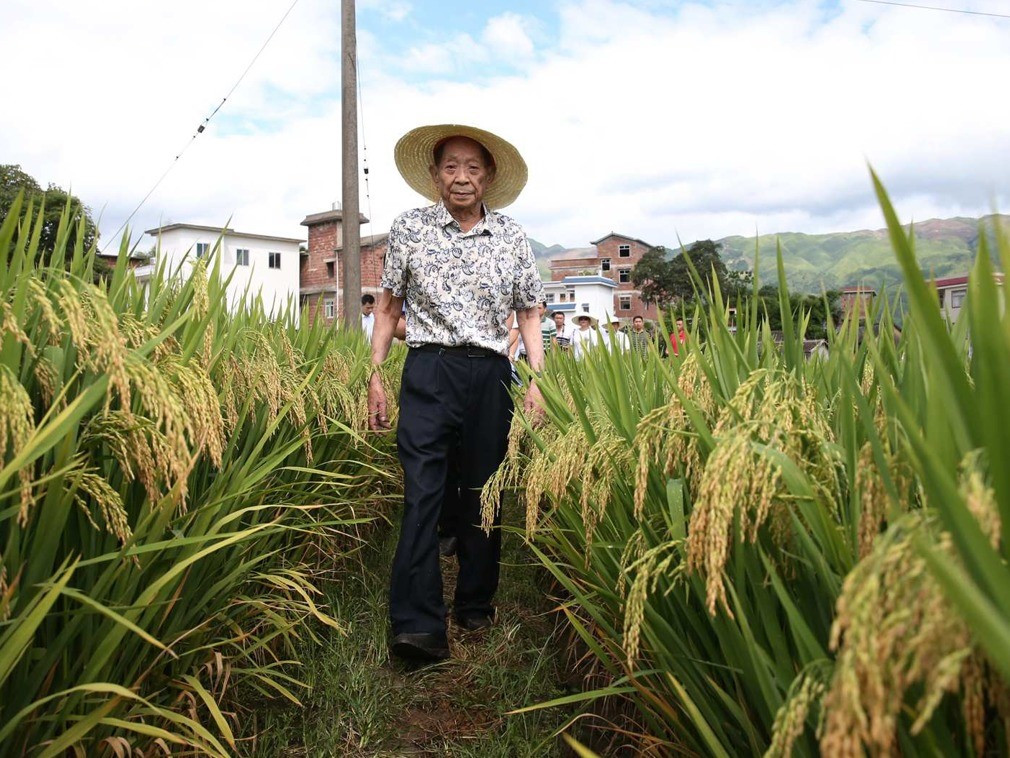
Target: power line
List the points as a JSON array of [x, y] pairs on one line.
[[935, 8], [202, 126]]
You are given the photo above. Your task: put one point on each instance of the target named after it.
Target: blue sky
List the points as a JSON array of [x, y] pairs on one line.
[[656, 119]]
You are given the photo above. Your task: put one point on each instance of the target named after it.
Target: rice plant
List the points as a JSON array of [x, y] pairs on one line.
[[778, 555], [174, 480]]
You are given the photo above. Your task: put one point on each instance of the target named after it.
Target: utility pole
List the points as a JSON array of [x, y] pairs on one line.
[[351, 226]]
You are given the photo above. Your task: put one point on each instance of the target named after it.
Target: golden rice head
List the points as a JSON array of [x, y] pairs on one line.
[[9, 326], [108, 348], [90, 486], [48, 378], [607, 458], [779, 411], [894, 631], [805, 693], [980, 498], [507, 476], [654, 565], [552, 467], [43, 301], [17, 424]]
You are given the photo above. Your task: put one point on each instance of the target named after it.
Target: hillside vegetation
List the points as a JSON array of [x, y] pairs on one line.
[[944, 247]]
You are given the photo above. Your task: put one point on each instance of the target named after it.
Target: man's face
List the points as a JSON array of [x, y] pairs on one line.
[[541, 309], [680, 325], [559, 320], [583, 323], [367, 308], [638, 323], [462, 176]]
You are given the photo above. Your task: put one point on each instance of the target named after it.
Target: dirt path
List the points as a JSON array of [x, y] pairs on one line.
[[362, 703]]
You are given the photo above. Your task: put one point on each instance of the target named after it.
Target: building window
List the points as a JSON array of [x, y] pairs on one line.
[[625, 302], [242, 257], [202, 248], [957, 298], [329, 269], [328, 308], [624, 251], [585, 307], [605, 264], [624, 275], [550, 297], [275, 260], [562, 298], [571, 296]]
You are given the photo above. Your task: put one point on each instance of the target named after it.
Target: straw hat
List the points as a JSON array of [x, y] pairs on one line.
[[415, 152], [577, 316]]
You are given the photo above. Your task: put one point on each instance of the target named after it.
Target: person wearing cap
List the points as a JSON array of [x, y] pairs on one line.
[[460, 266]]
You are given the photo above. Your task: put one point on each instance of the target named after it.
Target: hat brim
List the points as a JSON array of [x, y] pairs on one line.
[[415, 154]]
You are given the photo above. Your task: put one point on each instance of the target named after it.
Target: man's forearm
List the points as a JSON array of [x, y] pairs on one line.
[[529, 328], [387, 313]]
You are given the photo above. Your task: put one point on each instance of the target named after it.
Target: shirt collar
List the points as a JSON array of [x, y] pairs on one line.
[[444, 218]]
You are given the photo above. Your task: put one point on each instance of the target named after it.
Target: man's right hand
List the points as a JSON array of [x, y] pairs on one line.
[[378, 418]]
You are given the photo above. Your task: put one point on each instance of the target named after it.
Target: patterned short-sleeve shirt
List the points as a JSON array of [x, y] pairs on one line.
[[460, 286]]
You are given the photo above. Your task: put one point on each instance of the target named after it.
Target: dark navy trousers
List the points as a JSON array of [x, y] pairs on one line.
[[451, 406]]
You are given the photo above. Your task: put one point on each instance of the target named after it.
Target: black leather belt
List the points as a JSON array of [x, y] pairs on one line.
[[468, 351]]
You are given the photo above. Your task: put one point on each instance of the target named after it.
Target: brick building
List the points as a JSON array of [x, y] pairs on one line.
[[321, 264], [614, 257]]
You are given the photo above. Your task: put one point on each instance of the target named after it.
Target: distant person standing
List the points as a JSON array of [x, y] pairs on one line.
[[368, 315], [639, 338], [547, 332], [615, 339], [678, 336], [563, 332], [585, 337]]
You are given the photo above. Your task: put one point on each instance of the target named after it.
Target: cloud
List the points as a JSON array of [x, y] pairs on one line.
[[506, 36], [705, 120]]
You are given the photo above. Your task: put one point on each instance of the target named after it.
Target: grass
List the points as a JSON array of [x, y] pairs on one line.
[[363, 703]]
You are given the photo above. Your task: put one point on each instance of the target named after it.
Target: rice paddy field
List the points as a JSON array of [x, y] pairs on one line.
[[747, 551]]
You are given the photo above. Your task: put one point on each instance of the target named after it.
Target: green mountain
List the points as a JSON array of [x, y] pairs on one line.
[[945, 247]]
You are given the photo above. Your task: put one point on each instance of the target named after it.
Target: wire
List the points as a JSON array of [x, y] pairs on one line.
[[935, 8], [201, 127]]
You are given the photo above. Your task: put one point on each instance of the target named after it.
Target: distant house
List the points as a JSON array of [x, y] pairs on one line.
[[258, 264], [581, 294], [611, 257], [952, 292], [857, 300], [321, 291]]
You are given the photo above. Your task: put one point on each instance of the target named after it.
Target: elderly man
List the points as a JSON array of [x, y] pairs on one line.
[[461, 267]]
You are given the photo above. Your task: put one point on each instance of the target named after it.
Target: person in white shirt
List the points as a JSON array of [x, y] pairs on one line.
[[615, 338], [585, 337], [367, 316], [565, 332]]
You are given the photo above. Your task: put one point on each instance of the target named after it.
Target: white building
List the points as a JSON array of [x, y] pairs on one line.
[[258, 264], [581, 294]]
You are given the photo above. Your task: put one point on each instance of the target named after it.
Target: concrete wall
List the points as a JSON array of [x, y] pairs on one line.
[[278, 287]]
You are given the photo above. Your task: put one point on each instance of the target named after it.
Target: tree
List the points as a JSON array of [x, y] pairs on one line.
[[654, 277], [13, 180], [665, 282]]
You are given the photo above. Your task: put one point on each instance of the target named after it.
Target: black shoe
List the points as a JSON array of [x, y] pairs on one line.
[[446, 546], [420, 646], [475, 623]]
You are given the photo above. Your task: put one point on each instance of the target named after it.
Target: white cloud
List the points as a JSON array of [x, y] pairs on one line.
[[717, 120], [507, 38]]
